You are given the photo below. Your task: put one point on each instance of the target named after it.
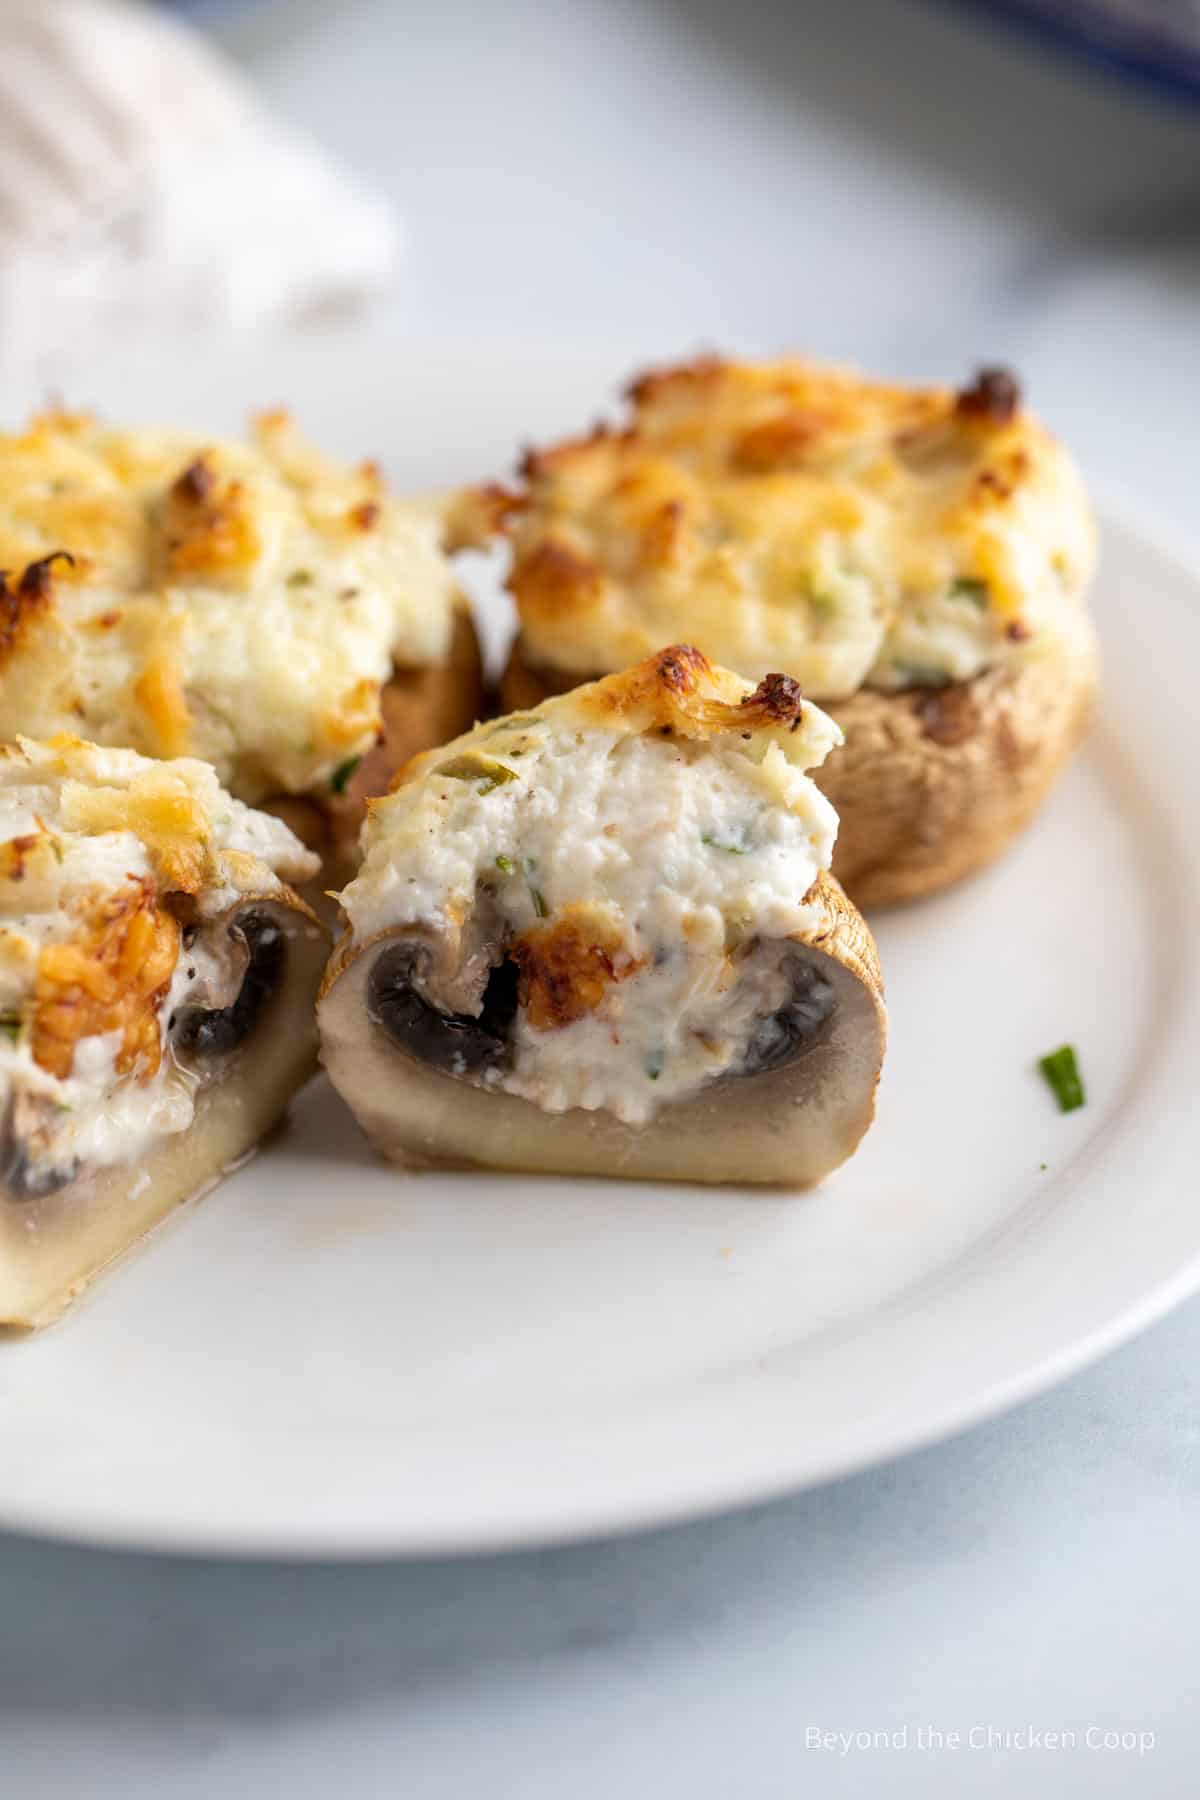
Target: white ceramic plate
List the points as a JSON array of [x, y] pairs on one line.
[[327, 1358]]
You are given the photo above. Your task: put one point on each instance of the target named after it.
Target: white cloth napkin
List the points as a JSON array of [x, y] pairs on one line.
[[142, 185]]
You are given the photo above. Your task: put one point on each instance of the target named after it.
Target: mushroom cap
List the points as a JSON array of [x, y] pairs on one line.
[[932, 784], [788, 1126]]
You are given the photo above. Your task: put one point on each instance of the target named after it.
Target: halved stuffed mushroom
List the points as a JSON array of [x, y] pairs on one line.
[[254, 604], [915, 557], [601, 938], [157, 979]]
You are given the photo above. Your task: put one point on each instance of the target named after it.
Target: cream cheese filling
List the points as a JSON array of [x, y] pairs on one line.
[[97, 1115], [685, 864], [685, 1020]]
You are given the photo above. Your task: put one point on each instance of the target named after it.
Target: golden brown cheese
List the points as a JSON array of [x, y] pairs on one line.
[[567, 967], [241, 602], [101, 851], [790, 515], [111, 977], [678, 692]]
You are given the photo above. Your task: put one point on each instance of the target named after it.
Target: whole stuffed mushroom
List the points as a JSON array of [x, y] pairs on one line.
[[916, 558]]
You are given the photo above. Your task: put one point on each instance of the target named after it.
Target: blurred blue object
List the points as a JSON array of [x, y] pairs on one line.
[[1156, 42]]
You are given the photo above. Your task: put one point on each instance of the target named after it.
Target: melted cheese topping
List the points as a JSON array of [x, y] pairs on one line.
[[92, 962], [240, 602], [641, 848], [791, 516]]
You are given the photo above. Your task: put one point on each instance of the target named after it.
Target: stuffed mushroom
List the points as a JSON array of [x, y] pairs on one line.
[[916, 557], [601, 938], [157, 979], [250, 603]]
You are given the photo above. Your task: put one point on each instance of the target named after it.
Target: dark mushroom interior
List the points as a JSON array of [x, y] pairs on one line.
[[209, 1031], [23, 1176], [400, 1001], [797, 1025], [459, 1043]]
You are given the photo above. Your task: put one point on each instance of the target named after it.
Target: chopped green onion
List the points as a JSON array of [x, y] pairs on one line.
[[1061, 1071], [340, 779], [535, 893], [472, 766], [654, 1064], [715, 843], [300, 578], [505, 864], [10, 1026], [969, 587], [511, 723], [919, 675]]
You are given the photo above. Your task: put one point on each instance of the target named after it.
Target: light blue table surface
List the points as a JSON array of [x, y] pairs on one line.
[[879, 181]]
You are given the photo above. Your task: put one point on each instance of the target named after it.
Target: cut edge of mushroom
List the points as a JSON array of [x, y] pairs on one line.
[[54, 1243], [789, 1126]]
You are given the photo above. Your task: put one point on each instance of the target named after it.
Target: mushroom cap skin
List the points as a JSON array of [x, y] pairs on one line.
[[932, 783], [789, 1126], [55, 1242]]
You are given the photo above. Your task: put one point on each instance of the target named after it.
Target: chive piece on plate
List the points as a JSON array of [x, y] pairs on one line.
[[1061, 1071]]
